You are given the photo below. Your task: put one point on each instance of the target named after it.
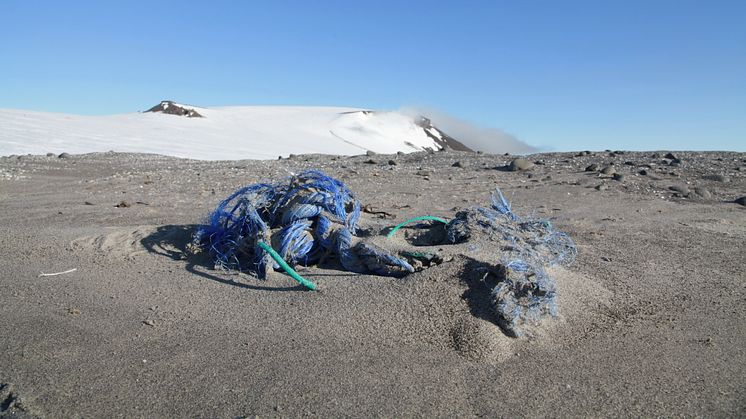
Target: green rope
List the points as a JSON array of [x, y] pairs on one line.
[[411, 220], [303, 281]]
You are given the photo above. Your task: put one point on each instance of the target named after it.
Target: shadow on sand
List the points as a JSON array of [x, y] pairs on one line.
[[172, 241]]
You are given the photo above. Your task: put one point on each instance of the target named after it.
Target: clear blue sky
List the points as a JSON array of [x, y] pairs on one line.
[[561, 75]]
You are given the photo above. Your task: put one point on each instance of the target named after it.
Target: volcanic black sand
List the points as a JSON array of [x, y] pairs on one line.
[[652, 313]]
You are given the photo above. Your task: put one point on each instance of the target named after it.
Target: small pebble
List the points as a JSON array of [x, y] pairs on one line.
[[520, 165], [371, 161], [618, 177], [681, 189], [148, 322], [717, 178], [608, 170], [392, 163], [601, 187], [457, 164], [592, 168], [370, 153], [669, 156], [64, 156], [704, 193]]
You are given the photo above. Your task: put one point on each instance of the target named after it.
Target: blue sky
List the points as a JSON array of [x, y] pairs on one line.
[[558, 75]]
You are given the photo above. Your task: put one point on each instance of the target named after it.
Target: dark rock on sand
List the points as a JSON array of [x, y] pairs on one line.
[[703, 193], [519, 165], [608, 170], [717, 178], [681, 189], [592, 168], [64, 156], [741, 201]]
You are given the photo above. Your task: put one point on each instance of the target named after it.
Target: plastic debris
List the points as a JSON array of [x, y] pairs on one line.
[[311, 217], [306, 217], [524, 293]]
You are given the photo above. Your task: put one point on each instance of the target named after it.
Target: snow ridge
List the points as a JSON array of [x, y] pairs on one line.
[[221, 133]]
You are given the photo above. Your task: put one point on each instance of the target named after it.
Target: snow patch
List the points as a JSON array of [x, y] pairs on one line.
[[225, 133]]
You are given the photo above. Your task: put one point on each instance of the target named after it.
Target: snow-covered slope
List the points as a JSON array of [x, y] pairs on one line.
[[245, 132]]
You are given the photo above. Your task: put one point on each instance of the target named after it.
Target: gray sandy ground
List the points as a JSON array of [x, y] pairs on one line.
[[652, 314]]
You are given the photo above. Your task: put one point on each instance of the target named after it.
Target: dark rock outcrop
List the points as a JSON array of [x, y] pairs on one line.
[[171, 108]]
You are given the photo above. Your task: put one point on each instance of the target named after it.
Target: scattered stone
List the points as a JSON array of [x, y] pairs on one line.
[[392, 163], [643, 172], [399, 153], [702, 192], [64, 156], [608, 170], [520, 165], [675, 162], [50, 154], [123, 204], [592, 168], [680, 189], [618, 177], [669, 156], [741, 201], [88, 203], [717, 178], [148, 322], [602, 187], [457, 164], [73, 311], [371, 161], [370, 153]]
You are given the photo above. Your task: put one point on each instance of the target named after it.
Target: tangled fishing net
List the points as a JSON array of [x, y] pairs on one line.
[[313, 218], [308, 217], [524, 293]]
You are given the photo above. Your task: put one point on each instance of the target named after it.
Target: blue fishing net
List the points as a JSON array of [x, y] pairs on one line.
[[312, 217], [524, 293], [307, 217]]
